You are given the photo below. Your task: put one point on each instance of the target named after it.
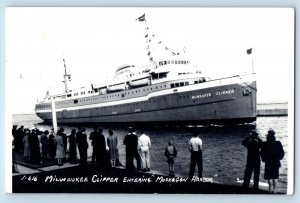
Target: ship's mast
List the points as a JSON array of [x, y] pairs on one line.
[[147, 36], [151, 40], [67, 78]]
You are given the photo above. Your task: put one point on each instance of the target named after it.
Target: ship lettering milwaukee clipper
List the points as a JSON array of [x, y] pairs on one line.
[[169, 89]]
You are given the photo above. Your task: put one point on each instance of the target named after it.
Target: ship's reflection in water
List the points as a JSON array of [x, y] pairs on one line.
[[224, 158]]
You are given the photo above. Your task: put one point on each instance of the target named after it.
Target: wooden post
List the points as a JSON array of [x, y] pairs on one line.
[[54, 121]]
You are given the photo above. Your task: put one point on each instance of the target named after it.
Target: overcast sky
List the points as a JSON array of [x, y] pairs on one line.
[[95, 41]]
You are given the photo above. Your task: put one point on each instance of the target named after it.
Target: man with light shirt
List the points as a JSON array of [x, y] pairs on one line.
[[195, 147], [144, 145]]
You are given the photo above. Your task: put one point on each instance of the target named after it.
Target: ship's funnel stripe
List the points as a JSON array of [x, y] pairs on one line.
[[247, 79]]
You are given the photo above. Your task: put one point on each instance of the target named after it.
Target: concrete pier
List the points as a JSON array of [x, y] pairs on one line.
[[73, 178], [272, 109]]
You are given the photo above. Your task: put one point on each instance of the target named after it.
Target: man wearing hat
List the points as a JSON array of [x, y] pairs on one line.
[[253, 144]]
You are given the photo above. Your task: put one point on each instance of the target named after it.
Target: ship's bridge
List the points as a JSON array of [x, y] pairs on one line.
[[177, 67], [174, 62], [174, 69]]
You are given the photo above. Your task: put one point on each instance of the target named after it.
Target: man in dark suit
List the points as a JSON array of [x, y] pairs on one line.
[[82, 144], [100, 149], [253, 144], [92, 138], [131, 142]]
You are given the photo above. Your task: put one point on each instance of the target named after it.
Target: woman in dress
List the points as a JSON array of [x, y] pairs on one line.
[[271, 153], [26, 151], [60, 151], [112, 143]]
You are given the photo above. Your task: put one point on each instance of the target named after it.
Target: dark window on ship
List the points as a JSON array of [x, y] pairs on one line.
[[196, 82], [154, 76], [172, 85], [175, 62], [162, 75], [75, 101], [186, 83], [181, 84], [176, 84]]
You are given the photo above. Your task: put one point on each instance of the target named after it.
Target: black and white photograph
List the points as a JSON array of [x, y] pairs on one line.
[[154, 100]]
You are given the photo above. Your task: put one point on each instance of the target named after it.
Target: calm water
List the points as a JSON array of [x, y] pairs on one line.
[[223, 155]]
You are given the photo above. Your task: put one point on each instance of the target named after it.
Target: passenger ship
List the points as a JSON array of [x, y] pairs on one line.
[[168, 90]]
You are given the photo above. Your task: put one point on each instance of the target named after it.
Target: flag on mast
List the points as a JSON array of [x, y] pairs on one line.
[[141, 18], [249, 51]]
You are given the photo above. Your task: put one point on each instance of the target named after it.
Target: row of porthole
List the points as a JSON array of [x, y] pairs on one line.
[[109, 96], [184, 96], [130, 104]]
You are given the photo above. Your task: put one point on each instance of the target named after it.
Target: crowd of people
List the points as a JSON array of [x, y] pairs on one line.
[[38, 145]]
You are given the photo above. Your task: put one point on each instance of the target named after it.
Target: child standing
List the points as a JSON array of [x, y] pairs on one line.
[[171, 153]]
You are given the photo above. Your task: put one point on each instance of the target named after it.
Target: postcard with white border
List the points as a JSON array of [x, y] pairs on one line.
[[150, 100]]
